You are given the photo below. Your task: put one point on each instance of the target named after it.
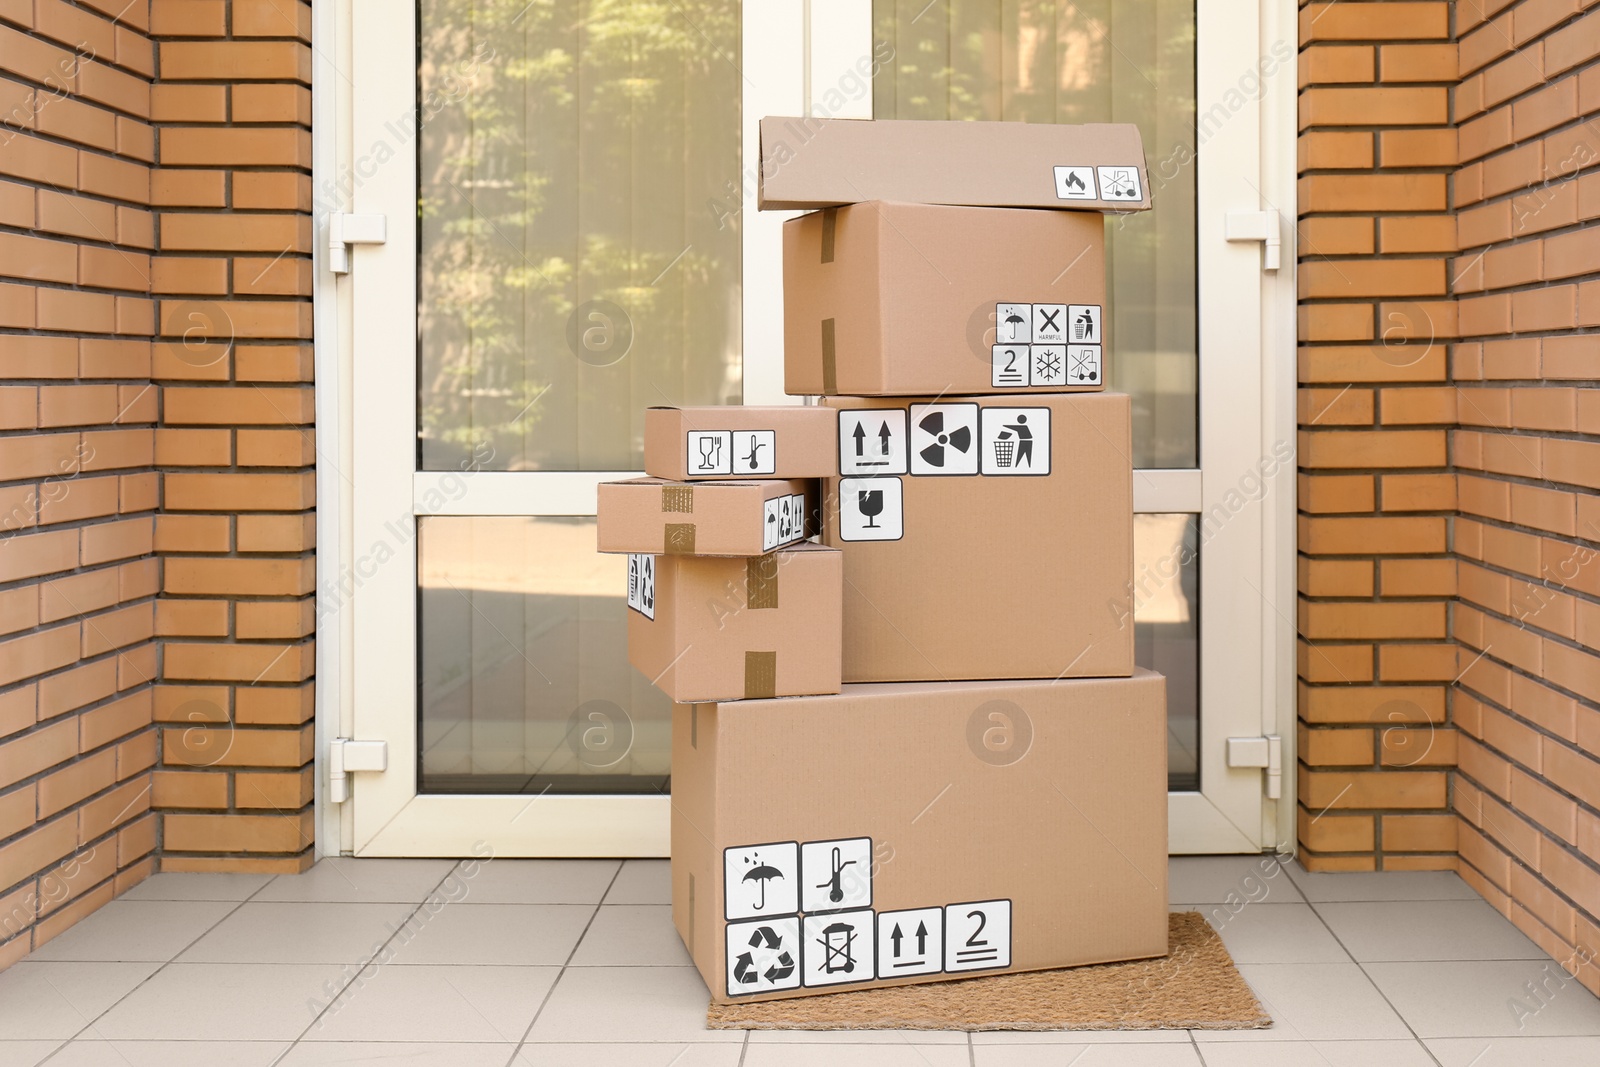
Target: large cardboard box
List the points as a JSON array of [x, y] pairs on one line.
[[658, 517], [744, 442], [919, 832], [891, 299], [814, 162], [984, 537], [717, 628]]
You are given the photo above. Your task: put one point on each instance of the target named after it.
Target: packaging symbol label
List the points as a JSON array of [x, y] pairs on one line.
[[763, 955], [761, 880], [755, 451], [1083, 324], [1076, 183], [871, 509], [837, 948], [944, 439], [977, 936], [1119, 183], [872, 441], [1013, 324], [1015, 441], [836, 875], [910, 942], [1083, 364], [1049, 323], [642, 584], [1010, 366], [710, 452], [1047, 364]]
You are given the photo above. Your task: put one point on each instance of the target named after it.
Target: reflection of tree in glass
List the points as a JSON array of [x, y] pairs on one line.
[[576, 165]]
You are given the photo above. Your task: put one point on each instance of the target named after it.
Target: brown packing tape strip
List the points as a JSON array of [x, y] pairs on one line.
[[760, 675], [761, 582], [830, 366], [677, 538], [830, 219], [678, 498]]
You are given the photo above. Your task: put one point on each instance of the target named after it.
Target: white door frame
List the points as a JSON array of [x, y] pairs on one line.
[[1247, 641]]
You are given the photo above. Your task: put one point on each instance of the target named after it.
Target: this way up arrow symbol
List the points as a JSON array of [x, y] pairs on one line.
[[860, 435]]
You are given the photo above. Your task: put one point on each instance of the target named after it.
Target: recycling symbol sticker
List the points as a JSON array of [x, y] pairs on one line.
[[763, 955]]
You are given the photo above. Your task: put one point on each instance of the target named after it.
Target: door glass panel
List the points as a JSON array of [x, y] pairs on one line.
[[526, 686], [1088, 61], [1166, 632], [571, 272]]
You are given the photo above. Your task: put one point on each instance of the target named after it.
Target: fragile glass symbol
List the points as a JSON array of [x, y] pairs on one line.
[[710, 449], [871, 503]]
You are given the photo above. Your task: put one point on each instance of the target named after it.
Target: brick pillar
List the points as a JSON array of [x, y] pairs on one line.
[[78, 579], [1376, 493], [232, 190]]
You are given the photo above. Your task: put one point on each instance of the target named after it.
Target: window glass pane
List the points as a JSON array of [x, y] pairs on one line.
[[572, 271], [525, 682], [1088, 61], [1166, 632]]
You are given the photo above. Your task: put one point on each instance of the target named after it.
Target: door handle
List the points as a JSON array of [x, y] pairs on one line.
[[1260, 226]]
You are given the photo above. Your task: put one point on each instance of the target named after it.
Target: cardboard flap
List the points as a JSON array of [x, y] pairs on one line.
[[816, 163]]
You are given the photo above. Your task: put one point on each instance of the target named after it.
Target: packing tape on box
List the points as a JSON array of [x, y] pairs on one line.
[[761, 582], [830, 219], [760, 675], [830, 367], [677, 538], [678, 499]]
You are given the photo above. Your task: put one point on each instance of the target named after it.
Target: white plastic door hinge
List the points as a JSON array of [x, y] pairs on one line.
[[345, 756], [345, 230], [1265, 752], [1263, 226]]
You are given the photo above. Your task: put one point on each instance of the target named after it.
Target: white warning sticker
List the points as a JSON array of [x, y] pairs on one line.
[[755, 451], [977, 936], [1013, 324], [1016, 441], [1049, 323], [1083, 324], [910, 942], [1119, 183], [1010, 366], [761, 880], [763, 955], [836, 875], [642, 584], [710, 452], [1083, 364], [837, 948], [944, 439], [872, 441], [772, 524], [871, 509], [1047, 364], [798, 502], [1076, 183]]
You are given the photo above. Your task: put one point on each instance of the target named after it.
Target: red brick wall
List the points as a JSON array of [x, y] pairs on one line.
[[1527, 539]]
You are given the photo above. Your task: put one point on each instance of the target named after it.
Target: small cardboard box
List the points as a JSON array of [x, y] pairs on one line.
[[896, 834], [984, 537], [889, 299], [717, 628], [815, 162], [648, 515], [701, 443]]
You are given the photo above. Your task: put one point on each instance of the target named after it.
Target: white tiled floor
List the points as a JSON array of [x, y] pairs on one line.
[[524, 963]]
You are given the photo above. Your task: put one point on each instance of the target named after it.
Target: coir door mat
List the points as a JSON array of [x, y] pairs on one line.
[[1194, 987]]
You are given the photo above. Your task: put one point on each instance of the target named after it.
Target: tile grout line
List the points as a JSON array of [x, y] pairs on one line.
[[560, 974]]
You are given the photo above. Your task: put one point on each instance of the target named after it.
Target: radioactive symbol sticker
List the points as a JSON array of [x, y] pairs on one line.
[[763, 955], [944, 439]]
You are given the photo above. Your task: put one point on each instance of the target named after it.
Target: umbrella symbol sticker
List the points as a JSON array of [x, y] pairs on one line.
[[760, 873], [1011, 323]]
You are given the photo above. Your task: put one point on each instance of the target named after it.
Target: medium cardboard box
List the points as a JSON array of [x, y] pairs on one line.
[[700, 443], [891, 299], [919, 832], [984, 537], [814, 162], [649, 515], [717, 628]]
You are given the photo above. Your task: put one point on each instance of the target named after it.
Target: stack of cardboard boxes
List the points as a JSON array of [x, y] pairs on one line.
[[919, 749]]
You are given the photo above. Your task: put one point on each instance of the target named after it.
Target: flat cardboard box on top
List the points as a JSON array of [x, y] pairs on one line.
[[814, 162], [658, 517], [891, 299], [737, 442], [984, 536], [1022, 825], [728, 629]]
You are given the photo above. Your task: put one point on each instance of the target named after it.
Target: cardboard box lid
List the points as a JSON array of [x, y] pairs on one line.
[[815, 163]]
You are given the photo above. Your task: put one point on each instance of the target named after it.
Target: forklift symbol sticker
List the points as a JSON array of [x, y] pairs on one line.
[[835, 875], [910, 942], [838, 948], [1119, 183]]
